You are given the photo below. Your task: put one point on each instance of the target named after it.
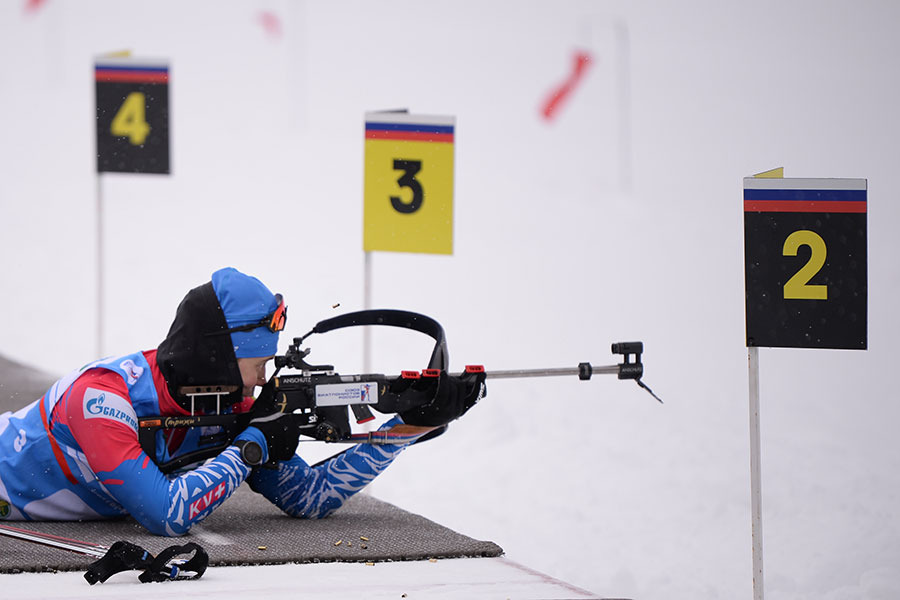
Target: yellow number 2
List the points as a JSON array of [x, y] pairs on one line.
[[798, 286], [130, 120]]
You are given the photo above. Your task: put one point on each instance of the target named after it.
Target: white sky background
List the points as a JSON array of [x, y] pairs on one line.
[[555, 256]]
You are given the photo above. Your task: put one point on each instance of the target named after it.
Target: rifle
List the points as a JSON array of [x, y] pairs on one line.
[[319, 398]]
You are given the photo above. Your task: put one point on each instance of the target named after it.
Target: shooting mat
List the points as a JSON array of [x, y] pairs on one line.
[[246, 529]]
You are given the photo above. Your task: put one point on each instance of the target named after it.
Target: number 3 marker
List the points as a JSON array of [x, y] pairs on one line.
[[408, 179], [408, 198]]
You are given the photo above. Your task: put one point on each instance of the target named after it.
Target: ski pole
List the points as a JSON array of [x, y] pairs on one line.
[[122, 556]]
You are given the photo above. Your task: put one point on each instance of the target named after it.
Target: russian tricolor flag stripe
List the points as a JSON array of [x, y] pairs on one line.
[[805, 195], [409, 131], [811, 195], [419, 136], [131, 74], [795, 206]]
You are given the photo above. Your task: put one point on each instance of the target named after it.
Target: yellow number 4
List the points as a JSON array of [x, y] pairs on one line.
[[130, 121], [798, 286]]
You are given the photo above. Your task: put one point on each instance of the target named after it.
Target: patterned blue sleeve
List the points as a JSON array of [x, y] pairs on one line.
[[171, 505], [316, 492]]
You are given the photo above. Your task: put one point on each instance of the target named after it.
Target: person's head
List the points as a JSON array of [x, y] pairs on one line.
[[223, 333], [253, 372]]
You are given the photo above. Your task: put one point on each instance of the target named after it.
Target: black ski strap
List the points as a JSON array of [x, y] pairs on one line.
[[125, 556], [163, 568]]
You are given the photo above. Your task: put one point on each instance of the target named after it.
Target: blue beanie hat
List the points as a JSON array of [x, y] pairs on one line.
[[245, 300]]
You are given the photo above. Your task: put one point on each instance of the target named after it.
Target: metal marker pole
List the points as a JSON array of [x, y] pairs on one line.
[[99, 349], [755, 479], [367, 305]]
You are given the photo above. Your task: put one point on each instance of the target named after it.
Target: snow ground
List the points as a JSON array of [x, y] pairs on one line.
[[568, 236], [447, 579]]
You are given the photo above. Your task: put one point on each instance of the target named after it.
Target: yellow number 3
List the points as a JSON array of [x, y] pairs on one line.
[[798, 287], [130, 120]]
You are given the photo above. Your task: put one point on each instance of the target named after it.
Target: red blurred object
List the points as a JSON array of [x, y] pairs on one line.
[[271, 23], [32, 6], [580, 63]]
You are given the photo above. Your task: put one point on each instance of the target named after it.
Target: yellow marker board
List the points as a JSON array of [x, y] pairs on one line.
[[408, 198]]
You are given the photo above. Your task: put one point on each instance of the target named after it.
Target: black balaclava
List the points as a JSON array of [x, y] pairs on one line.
[[189, 356]]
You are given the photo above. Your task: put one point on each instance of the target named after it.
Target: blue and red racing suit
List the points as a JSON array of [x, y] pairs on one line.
[[74, 454]]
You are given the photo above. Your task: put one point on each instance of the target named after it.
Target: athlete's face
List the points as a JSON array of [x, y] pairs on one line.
[[253, 372]]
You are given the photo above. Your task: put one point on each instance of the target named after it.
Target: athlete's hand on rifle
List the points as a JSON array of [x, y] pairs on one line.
[[452, 398], [281, 431]]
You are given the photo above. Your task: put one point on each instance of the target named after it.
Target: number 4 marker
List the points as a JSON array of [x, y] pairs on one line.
[[130, 121]]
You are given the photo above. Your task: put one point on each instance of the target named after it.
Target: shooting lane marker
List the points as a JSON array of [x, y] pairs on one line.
[[408, 192], [813, 299], [805, 260], [131, 109]]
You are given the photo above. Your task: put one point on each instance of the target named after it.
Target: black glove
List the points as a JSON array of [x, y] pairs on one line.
[[281, 430], [453, 396], [406, 393]]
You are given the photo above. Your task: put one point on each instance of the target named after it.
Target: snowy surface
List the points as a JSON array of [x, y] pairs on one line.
[[621, 219], [456, 579]]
